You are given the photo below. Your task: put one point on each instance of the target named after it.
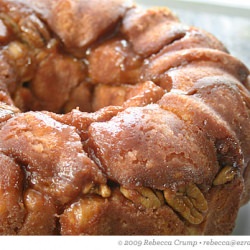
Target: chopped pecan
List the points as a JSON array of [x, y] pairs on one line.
[[34, 31], [144, 196], [188, 201], [225, 175], [22, 58], [102, 190]]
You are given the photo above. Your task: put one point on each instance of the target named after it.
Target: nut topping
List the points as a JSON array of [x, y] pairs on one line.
[[188, 201], [225, 175], [144, 196], [102, 190], [33, 31]]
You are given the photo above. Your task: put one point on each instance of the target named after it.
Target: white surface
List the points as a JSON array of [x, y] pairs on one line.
[[229, 7], [229, 20]]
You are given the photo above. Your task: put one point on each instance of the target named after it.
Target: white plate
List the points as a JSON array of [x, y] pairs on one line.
[[228, 20]]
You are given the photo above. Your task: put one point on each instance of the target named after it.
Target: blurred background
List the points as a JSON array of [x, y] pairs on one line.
[[229, 21]]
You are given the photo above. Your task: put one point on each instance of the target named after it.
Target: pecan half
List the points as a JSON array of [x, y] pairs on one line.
[[144, 196], [188, 201]]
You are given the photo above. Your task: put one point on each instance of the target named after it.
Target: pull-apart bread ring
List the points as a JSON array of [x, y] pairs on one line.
[[118, 120]]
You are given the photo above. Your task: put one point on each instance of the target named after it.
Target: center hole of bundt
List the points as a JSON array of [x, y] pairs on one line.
[[54, 96]]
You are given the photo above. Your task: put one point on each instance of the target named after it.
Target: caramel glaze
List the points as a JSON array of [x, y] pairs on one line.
[[98, 95]]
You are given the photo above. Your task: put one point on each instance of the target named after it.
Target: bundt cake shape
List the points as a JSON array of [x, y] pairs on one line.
[[118, 120]]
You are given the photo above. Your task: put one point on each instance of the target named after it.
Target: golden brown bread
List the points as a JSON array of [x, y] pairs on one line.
[[118, 120]]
